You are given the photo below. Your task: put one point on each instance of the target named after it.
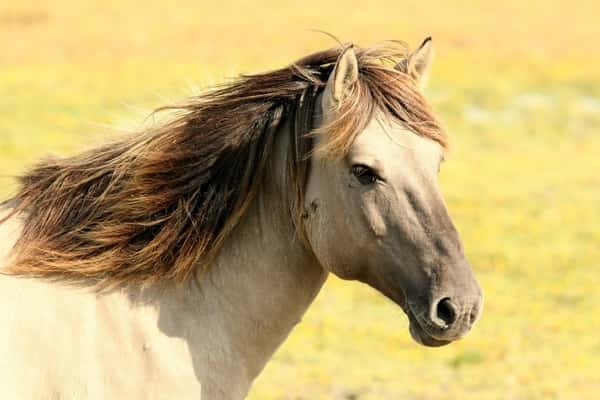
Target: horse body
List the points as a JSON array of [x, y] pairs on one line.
[[174, 264]]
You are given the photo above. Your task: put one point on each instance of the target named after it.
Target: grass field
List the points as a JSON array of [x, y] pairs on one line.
[[518, 86]]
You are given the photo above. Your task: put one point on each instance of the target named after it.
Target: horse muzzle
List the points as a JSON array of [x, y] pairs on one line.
[[444, 320]]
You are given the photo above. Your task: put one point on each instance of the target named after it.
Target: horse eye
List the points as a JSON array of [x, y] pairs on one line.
[[364, 174]]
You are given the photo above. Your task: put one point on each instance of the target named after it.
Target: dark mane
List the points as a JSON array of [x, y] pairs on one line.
[[155, 206]]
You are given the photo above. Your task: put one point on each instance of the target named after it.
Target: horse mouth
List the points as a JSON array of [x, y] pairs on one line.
[[419, 329], [417, 332], [421, 337]]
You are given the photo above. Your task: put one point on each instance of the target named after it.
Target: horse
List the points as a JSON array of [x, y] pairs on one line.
[[173, 262]]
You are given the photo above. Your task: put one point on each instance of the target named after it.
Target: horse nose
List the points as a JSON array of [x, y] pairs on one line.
[[443, 313]]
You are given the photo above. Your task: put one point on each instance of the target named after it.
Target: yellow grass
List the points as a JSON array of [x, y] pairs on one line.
[[518, 85]]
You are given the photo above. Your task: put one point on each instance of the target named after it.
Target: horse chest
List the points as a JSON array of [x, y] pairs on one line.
[[60, 343]]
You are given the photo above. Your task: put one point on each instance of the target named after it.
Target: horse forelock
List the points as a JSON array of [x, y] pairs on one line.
[[156, 206]]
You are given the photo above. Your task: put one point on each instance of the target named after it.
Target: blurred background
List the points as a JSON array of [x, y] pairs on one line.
[[516, 82]]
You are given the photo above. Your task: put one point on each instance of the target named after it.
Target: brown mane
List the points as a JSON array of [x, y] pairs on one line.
[[155, 206]]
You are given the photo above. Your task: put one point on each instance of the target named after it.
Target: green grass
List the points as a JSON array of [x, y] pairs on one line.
[[519, 90]]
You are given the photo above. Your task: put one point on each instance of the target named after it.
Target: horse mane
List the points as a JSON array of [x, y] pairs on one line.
[[156, 206]]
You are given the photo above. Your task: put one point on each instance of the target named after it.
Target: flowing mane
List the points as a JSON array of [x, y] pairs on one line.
[[155, 206]]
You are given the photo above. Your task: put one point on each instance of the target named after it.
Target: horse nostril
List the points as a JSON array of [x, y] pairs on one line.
[[473, 314], [445, 313]]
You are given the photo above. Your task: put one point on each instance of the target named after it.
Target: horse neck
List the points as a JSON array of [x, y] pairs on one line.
[[263, 280], [235, 314]]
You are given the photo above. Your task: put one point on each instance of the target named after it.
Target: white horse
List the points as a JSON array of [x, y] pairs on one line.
[[173, 263]]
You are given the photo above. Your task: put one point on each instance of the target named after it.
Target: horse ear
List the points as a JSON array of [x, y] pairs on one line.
[[341, 79], [418, 63]]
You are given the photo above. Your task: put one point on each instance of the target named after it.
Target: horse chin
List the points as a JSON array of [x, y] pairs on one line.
[[423, 338]]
